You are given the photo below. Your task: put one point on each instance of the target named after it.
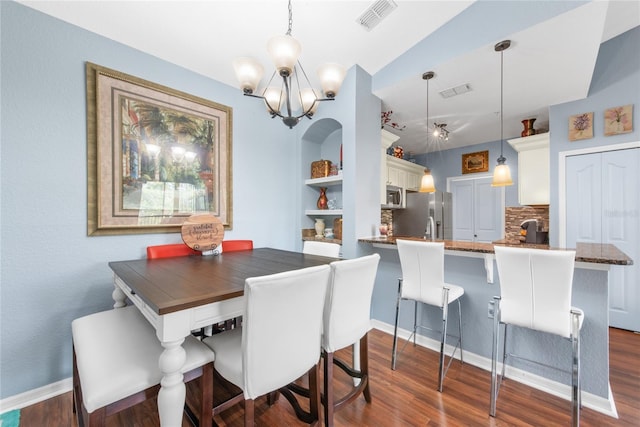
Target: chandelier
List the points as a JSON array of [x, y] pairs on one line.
[[440, 131], [293, 99]]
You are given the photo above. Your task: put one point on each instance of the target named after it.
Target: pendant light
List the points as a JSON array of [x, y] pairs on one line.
[[501, 173], [426, 184]]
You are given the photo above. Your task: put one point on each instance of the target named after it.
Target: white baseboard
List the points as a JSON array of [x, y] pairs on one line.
[[31, 397], [600, 404]]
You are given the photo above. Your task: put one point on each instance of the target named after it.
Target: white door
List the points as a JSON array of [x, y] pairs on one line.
[[603, 206], [478, 209]]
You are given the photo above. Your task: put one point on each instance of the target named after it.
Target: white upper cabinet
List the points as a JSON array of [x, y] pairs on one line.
[[533, 168]]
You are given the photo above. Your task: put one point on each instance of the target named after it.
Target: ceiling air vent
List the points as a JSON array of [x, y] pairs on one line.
[[376, 13], [458, 90]]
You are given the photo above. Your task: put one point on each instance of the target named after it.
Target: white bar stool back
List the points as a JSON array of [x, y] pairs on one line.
[[422, 281], [535, 288]]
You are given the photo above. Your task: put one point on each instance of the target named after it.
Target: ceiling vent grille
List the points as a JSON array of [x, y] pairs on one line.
[[376, 13], [458, 90]]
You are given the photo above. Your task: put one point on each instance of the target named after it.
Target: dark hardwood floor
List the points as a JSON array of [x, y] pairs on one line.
[[408, 396]]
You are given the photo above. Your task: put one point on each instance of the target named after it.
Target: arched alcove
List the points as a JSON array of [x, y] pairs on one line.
[[321, 141]]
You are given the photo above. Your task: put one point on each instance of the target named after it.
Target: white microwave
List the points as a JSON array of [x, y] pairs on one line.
[[394, 197]]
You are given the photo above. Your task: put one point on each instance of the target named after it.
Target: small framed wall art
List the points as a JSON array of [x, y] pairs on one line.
[[581, 126], [475, 162], [618, 120]]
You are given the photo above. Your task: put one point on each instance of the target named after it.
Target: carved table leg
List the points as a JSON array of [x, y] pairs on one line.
[[172, 393], [119, 297]]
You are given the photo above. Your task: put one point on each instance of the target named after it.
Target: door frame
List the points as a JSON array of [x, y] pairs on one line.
[[562, 181], [477, 176]]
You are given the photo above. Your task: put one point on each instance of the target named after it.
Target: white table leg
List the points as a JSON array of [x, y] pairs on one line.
[[119, 297], [171, 396]]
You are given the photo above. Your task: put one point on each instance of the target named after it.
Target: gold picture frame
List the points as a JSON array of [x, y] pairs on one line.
[[475, 162], [155, 156]]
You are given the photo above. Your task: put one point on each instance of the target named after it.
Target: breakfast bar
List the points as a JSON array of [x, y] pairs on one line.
[[471, 265]]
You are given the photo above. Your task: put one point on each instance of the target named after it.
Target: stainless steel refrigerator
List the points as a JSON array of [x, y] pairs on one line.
[[425, 213]]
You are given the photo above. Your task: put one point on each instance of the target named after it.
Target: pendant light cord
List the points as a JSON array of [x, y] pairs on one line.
[[501, 101]]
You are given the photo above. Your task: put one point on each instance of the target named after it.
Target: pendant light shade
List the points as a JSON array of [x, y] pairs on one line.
[[426, 184], [248, 72], [501, 176], [284, 52], [501, 173]]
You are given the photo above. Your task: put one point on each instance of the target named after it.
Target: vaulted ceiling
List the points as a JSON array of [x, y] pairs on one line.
[[548, 63]]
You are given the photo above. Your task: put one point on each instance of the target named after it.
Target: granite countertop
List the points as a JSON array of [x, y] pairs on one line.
[[597, 253]]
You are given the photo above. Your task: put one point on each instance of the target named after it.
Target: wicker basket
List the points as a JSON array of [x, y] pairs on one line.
[[320, 168]]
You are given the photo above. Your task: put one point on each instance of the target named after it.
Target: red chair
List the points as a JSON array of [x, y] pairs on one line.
[[173, 250], [236, 245], [170, 250]]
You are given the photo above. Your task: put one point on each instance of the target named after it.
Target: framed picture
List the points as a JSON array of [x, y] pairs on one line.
[[155, 156], [581, 126], [618, 120], [475, 162]]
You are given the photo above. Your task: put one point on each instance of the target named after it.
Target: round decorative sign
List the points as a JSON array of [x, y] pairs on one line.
[[202, 232]]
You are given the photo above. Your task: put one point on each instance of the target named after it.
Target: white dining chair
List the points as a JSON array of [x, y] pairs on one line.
[[422, 281], [347, 321], [279, 340], [535, 293], [327, 249], [115, 365]]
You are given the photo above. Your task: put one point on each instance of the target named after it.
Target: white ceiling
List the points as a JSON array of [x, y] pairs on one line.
[[548, 63]]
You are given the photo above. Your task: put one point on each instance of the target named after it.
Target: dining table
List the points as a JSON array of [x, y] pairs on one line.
[[181, 294]]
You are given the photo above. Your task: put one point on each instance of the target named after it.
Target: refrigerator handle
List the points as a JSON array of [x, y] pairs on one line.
[[431, 229]]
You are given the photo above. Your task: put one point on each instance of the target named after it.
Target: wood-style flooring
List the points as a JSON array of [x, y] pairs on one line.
[[408, 396]]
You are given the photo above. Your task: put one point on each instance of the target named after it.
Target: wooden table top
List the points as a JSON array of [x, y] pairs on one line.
[[172, 284]]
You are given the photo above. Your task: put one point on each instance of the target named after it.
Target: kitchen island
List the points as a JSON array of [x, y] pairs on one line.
[[471, 265]]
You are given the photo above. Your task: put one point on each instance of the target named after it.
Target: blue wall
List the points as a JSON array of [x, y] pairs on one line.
[[51, 271], [616, 82]]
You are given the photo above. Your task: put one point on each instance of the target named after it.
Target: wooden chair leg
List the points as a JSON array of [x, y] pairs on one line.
[[328, 389], [314, 393], [364, 366], [206, 408], [249, 413]]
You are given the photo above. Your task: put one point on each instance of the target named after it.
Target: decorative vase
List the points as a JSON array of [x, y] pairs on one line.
[[528, 127], [322, 200], [319, 227]]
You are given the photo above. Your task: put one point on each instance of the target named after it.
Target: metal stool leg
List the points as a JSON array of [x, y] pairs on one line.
[[395, 329], [576, 395], [443, 339], [460, 328], [494, 355]]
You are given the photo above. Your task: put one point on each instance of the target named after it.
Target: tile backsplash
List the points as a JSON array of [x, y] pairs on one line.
[[515, 215]]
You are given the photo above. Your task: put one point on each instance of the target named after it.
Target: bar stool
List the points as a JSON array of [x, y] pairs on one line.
[[535, 288], [422, 281], [347, 320]]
